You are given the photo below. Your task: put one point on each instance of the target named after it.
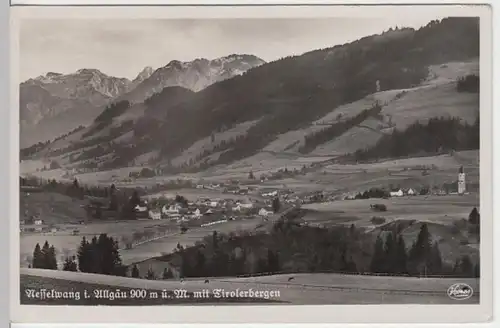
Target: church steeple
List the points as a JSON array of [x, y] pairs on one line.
[[461, 181]]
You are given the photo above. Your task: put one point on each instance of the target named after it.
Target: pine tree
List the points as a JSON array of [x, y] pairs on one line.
[[456, 268], [435, 263], [215, 240], [185, 265], [70, 264], [474, 216], [420, 251], [46, 256], [377, 262], [135, 271], [466, 267], [100, 256], [273, 264], [109, 258], [51, 259], [83, 256], [151, 274], [390, 254], [37, 262], [167, 274], [401, 257], [200, 264], [134, 199], [276, 205], [352, 231]]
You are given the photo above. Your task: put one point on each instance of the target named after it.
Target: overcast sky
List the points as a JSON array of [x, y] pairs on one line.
[[123, 48]]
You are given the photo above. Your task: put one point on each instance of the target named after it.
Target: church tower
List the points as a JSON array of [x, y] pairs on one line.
[[461, 181]]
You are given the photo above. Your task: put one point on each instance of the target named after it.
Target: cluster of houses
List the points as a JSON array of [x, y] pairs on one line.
[[402, 192], [202, 208], [230, 188]]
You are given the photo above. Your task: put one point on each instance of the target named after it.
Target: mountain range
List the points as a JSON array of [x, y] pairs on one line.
[[333, 101], [55, 103]]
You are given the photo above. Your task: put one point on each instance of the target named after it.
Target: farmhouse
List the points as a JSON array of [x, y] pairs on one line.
[[154, 215], [264, 212], [172, 209], [245, 205], [397, 193], [139, 208], [270, 194], [197, 213]]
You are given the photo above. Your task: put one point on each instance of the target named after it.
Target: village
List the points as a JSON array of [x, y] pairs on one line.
[[234, 200]]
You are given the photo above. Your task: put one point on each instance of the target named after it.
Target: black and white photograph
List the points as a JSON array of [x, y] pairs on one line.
[[250, 161]]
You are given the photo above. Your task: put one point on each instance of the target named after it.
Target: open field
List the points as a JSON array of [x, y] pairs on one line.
[[440, 213], [67, 244], [436, 97], [347, 177], [206, 144], [52, 208], [167, 245], [64, 213], [428, 208], [193, 194], [335, 178], [303, 289]]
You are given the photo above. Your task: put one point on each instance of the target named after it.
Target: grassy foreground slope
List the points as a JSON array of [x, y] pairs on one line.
[[303, 289]]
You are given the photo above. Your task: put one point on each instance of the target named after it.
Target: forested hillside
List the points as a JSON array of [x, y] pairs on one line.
[[287, 94]]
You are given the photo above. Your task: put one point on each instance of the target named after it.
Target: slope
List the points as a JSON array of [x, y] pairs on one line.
[[303, 289], [292, 93], [277, 93]]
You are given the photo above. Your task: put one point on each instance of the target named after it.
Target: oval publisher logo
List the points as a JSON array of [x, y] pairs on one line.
[[460, 292]]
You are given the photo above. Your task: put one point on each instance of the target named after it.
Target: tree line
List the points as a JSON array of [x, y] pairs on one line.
[[290, 246], [294, 247], [121, 201], [313, 140], [100, 256], [438, 135], [468, 83], [33, 149], [289, 93]]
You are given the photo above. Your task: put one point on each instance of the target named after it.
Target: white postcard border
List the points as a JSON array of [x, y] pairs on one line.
[[254, 313]]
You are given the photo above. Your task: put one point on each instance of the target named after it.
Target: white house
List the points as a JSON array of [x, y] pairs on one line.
[[154, 215], [245, 205], [270, 194], [264, 212], [139, 208], [411, 192], [398, 193], [38, 222], [237, 208], [197, 213], [208, 212], [214, 204], [172, 209]]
